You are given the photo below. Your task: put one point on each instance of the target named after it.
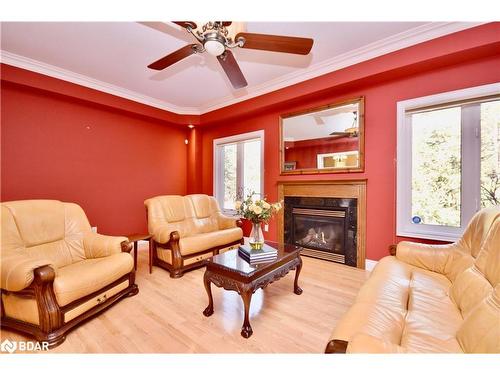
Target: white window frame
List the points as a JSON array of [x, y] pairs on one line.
[[218, 186], [320, 157], [470, 154]]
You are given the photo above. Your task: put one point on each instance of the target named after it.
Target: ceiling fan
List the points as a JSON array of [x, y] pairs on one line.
[[351, 132], [214, 38]]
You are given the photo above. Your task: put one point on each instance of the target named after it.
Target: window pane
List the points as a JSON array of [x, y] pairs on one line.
[[251, 167], [490, 154], [436, 167], [230, 188]]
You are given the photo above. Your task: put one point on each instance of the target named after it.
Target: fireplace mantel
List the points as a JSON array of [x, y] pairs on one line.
[[352, 188]]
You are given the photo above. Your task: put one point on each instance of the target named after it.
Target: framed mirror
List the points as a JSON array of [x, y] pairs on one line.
[[327, 139]]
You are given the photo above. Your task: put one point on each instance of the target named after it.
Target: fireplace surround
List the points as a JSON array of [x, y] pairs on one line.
[[324, 227], [327, 218]]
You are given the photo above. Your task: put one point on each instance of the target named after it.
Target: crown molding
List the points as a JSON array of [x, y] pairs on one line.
[[86, 81], [381, 47], [393, 43]]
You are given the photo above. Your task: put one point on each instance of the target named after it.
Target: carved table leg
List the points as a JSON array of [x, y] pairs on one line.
[[246, 329], [135, 255], [296, 288], [150, 250], [210, 308]]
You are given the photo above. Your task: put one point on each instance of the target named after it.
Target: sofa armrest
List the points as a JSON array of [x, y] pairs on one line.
[[366, 344], [430, 257], [162, 234], [18, 270], [98, 245], [226, 222]]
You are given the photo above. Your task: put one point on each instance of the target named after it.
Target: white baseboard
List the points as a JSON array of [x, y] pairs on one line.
[[370, 264]]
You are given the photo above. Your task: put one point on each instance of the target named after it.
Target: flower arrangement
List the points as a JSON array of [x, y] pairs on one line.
[[258, 211]]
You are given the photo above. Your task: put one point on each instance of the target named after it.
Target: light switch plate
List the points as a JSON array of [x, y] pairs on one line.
[[94, 229], [266, 227]]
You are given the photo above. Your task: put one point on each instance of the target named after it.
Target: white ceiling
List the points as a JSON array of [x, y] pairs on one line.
[[113, 57], [319, 124]]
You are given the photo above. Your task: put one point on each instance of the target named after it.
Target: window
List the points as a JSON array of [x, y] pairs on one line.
[[238, 171], [338, 159], [448, 161]]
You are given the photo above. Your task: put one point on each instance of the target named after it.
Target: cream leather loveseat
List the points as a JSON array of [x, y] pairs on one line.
[[187, 230], [430, 298], [55, 272]]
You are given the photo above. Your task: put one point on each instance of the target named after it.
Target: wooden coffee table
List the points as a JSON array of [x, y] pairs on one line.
[[231, 272]]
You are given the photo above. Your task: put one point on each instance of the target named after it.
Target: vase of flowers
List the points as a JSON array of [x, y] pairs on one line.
[[257, 211]]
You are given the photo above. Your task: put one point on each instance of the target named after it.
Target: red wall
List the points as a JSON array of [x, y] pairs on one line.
[[305, 153], [447, 68], [108, 160], [68, 142]]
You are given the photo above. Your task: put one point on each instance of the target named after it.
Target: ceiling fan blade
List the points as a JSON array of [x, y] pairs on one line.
[[226, 23], [340, 134], [173, 57], [159, 26], [276, 43], [233, 71], [319, 120], [186, 24]]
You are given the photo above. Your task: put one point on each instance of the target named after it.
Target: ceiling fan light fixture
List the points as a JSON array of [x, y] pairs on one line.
[[219, 38], [214, 47]]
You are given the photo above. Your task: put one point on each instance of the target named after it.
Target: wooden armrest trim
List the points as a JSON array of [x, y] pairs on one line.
[[336, 347], [44, 274], [127, 246], [393, 249], [48, 309], [174, 237]]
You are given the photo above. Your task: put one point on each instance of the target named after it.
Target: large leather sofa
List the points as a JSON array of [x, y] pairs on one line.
[[187, 230], [55, 272], [430, 298]]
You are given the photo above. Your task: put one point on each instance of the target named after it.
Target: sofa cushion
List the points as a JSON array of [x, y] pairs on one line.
[[363, 343], [432, 319], [201, 242], [406, 306], [388, 284], [478, 281], [45, 229], [204, 212], [371, 319], [204, 225], [488, 258], [202, 205], [38, 221], [166, 208], [480, 332], [469, 288], [80, 279], [477, 230]]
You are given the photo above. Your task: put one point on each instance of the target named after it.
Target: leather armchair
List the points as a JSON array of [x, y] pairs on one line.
[[430, 298], [187, 230], [55, 272]]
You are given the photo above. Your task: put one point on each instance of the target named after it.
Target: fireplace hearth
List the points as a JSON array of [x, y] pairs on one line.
[[324, 227]]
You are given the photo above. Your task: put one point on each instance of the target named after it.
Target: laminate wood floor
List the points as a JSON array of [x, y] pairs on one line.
[[166, 316]]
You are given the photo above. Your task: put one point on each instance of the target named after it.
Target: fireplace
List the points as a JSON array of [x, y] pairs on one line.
[[336, 208], [324, 227]]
